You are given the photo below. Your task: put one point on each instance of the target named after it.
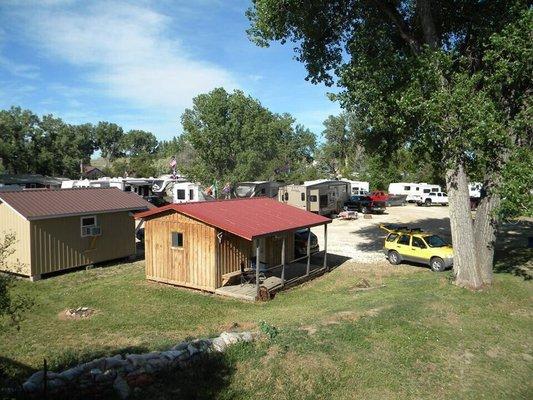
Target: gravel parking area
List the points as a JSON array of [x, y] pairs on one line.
[[362, 239]]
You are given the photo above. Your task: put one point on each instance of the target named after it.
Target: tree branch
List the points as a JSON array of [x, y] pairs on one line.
[[403, 29]]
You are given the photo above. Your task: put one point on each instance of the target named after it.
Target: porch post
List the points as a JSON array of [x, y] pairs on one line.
[[326, 246], [257, 253], [283, 261], [308, 251]]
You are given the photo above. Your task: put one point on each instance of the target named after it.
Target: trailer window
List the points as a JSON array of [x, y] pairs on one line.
[[286, 196], [427, 190], [180, 194], [435, 189], [191, 194], [407, 188], [302, 196], [177, 239], [312, 198], [323, 200]]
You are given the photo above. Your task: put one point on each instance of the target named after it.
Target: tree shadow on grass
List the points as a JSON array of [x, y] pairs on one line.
[[514, 253], [204, 379]]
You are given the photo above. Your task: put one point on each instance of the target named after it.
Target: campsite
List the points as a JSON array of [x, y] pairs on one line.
[[273, 199]]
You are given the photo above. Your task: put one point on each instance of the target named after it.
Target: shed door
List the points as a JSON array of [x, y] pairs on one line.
[[179, 259], [313, 198]]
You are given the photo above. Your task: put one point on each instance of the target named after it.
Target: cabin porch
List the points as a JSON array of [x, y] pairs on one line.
[[295, 273]]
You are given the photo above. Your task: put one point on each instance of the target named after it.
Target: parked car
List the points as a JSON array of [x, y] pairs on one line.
[[365, 204], [378, 195], [428, 199], [300, 243], [415, 245]]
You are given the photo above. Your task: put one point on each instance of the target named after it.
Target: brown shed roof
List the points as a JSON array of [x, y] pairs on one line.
[[45, 203]]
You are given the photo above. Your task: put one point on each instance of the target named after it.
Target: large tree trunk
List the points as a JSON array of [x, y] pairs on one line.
[[485, 234], [465, 266]]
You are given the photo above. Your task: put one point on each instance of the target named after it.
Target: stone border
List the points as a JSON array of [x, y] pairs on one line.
[[122, 373]]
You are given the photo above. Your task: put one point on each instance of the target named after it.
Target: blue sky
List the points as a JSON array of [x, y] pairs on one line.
[[140, 63]]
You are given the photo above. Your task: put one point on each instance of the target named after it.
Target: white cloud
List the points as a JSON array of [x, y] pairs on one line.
[[128, 53]]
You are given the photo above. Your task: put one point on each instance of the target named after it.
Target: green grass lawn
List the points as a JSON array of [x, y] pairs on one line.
[[413, 336]]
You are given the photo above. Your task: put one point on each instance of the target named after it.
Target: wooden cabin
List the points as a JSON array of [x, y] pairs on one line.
[[198, 245], [323, 197], [57, 230]]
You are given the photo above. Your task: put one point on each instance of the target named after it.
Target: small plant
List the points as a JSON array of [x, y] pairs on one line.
[[269, 330]]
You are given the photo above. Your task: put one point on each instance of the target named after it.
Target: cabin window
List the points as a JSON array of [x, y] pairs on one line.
[[313, 198], [191, 194], [286, 196], [89, 227], [177, 239], [407, 188], [302, 196], [180, 194]]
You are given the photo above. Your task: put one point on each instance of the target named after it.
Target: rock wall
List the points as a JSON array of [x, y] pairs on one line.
[[121, 373]]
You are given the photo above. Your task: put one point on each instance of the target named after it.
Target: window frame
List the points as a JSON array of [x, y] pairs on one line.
[[421, 240], [180, 234], [408, 239], [178, 191], [93, 225]]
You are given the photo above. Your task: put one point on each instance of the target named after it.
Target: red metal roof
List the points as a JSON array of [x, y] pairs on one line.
[[46, 203], [247, 218]]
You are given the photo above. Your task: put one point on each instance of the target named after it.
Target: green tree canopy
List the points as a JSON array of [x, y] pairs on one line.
[[236, 139]]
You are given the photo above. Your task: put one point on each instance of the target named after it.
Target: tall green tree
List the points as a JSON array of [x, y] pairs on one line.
[[236, 139], [138, 142], [109, 138], [18, 129], [423, 73]]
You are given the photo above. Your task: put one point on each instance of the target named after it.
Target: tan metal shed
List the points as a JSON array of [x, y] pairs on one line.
[[60, 229]]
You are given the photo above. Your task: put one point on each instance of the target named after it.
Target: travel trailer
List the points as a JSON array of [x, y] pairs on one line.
[[256, 188], [358, 188], [186, 192], [323, 197], [412, 190]]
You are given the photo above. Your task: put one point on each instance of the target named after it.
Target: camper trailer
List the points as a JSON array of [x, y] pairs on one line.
[[412, 190], [187, 192], [323, 197], [256, 189], [357, 188]]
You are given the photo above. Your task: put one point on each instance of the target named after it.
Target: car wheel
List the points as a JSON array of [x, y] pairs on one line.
[[365, 210], [394, 257], [437, 264], [427, 202]]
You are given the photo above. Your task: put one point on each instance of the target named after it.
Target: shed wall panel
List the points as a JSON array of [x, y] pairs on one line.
[[231, 251], [193, 265], [57, 243], [19, 261]]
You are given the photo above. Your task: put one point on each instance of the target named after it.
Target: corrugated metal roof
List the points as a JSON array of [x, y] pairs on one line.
[[247, 218], [45, 203]]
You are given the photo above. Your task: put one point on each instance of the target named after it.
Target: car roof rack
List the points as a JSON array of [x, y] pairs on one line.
[[401, 228]]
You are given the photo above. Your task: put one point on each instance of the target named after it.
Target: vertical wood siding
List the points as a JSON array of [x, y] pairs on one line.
[[57, 243], [193, 265], [12, 222], [230, 253]]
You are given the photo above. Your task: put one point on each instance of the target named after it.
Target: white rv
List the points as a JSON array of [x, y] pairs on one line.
[[186, 192], [474, 189], [412, 190], [358, 187]]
